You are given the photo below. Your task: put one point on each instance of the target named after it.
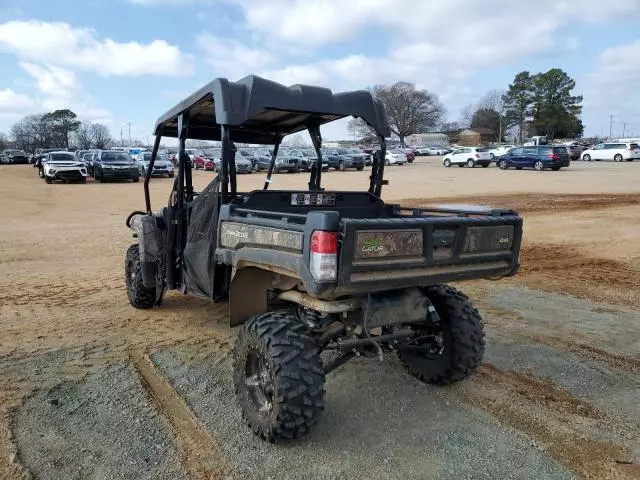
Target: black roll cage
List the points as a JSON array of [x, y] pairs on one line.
[[227, 176]]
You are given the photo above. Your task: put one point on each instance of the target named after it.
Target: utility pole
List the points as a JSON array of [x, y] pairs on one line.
[[610, 126], [624, 127], [129, 133], [121, 139]]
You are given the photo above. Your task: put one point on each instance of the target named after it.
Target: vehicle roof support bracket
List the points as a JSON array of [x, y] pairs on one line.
[[316, 170], [276, 146], [147, 176]]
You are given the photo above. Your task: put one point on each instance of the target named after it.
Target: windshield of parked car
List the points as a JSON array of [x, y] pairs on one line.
[[309, 152], [354, 150], [482, 150], [245, 153], [213, 153], [115, 157], [342, 151], [62, 156], [263, 152]]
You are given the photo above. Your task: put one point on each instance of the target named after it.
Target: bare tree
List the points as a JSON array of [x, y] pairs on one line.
[[296, 141], [493, 100], [359, 129], [100, 136], [4, 141], [466, 115], [410, 111], [82, 136]]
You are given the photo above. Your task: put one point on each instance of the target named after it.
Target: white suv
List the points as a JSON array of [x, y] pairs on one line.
[[612, 151]]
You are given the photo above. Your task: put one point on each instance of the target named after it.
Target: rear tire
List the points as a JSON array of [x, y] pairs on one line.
[[471, 163], [136, 179], [341, 167], [278, 376], [555, 169], [485, 165], [139, 295], [463, 333], [360, 169]]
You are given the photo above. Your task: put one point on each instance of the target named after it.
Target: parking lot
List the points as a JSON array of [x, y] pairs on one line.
[[92, 388]]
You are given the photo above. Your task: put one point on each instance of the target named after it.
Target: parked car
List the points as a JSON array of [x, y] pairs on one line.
[[612, 151], [248, 155], [115, 164], [395, 157], [307, 157], [88, 159], [496, 152], [172, 152], [162, 166], [539, 158], [469, 156], [428, 150], [286, 163], [207, 161], [62, 166], [15, 157], [341, 159], [575, 151]]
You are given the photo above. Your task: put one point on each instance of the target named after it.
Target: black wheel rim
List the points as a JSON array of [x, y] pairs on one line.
[[259, 381]]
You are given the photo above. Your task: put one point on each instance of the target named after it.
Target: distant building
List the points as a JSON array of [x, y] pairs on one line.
[[474, 137], [419, 139]]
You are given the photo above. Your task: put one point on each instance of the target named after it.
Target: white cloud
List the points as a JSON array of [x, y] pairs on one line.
[[12, 103], [79, 48], [612, 89], [231, 57]]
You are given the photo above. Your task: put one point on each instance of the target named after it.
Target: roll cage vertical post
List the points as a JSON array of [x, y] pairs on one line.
[[227, 165], [316, 173], [377, 170], [276, 146], [147, 175]]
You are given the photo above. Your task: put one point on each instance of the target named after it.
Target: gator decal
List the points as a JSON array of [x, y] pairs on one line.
[[235, 235], [388, 243]]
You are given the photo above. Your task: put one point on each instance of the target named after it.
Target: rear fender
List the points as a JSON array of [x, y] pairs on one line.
[[248, 294], [146, 229]]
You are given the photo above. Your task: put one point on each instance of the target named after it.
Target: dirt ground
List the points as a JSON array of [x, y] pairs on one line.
[[91, 388]]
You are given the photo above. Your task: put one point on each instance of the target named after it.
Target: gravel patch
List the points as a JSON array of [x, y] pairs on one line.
[[379, 423], [102, 427]]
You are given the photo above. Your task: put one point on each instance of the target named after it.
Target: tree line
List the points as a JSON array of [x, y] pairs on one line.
[[538, 104], [57, 129]]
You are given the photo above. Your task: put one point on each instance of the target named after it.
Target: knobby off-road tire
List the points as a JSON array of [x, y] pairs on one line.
[[463, 333], [285, 400], [139, 295]]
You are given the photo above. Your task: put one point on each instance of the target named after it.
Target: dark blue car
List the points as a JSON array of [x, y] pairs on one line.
[[538, 158]]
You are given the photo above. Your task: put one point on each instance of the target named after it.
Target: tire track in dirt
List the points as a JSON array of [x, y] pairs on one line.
[[538, 202], [515, 325], [558, 422], [601, 280], [200, 454]]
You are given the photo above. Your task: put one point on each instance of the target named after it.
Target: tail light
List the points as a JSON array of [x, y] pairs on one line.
[[477, 155], [323, 260], [553, 156]]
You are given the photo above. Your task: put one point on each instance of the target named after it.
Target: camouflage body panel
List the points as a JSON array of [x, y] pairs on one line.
[[488, 239], [234, 235], [389, 243]]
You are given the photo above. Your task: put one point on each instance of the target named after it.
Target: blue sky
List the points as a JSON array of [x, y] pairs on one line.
[[127, 61]]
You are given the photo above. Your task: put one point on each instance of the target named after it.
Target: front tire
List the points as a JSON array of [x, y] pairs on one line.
[[463, 340], [341, 167], [539, 166], [447, 162], [139, 295], [48, 179], [586, 158], [502, 164], [617, 157], [278, 376]]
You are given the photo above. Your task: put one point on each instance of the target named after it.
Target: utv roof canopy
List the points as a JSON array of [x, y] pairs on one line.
[[261, 111]]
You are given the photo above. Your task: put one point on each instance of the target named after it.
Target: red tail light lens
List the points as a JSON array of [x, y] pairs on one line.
[[324, 242], [323, 259], [553, 156], [477, 155]]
